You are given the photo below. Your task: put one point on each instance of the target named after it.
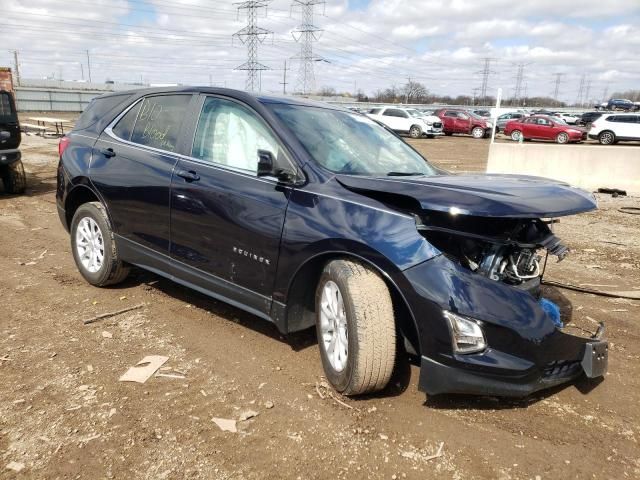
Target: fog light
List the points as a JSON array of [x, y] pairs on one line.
[[466, 334]]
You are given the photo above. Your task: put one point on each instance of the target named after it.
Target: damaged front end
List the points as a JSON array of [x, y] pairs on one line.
[[485, 326]]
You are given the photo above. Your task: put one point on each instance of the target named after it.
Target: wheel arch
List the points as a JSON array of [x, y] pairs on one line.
[[300, 299], [77, 197]]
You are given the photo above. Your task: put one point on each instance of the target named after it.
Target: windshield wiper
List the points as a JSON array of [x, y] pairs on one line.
[[404, 174]]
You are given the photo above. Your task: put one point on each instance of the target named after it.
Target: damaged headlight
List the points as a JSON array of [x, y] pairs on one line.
[[466, 334]]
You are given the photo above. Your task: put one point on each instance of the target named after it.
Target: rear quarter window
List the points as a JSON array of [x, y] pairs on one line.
[[97, 109], [7, 113]]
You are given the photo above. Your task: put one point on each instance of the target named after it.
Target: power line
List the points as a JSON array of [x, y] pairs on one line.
[[556, 90], [485, 72], [252, 36], [580, 97], [306, 34]]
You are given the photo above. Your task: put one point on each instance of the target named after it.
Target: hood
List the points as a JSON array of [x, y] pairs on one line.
[[432, 119], [491, 195]]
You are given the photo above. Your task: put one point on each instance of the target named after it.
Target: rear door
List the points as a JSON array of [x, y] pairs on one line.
[[132, 164], [226, 222]]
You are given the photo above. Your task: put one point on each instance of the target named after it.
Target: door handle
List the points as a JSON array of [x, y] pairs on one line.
[[108, 152], [189, 176]]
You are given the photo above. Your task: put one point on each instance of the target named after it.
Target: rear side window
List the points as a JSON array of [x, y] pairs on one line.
[[6, 111], [159, 120], [124, 127], [97, 109], [375, 111]]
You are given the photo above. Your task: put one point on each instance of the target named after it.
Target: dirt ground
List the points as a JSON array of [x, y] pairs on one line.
[[64, 414]]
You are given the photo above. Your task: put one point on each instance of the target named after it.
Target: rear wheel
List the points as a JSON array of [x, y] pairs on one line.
[[477, 132], [562, 138], [14, 178], [516, 135], [94, 248], [356, 328], [607, 138], [415, 131]]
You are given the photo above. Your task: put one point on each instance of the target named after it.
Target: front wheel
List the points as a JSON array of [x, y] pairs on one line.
[[356, 328], [562, 138], [93, 245], [478, 132], [415, 132], [14, 178]]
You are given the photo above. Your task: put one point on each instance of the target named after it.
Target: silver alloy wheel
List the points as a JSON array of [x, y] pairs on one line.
[[478, 132], [415, 132], [333, 326], [563, 138], [90, 244], [515, 135], [606, 138]]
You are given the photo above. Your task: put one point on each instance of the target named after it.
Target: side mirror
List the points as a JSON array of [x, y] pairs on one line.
[[265, 163]]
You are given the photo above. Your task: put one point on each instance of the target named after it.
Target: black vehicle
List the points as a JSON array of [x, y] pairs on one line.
[[306, 214], [588, 118], [11, 169], [620, 104]]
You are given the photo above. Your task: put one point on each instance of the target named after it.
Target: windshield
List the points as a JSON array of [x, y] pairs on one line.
[[7, 114], [415, 113], [559, 121], [351, 144]]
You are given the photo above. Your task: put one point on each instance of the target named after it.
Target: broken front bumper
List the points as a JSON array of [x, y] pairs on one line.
[[437, 378]]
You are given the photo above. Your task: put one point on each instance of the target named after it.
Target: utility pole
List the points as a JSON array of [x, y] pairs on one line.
[[252, 36], [89, 65], [17, 66], [580, 97], [517, 95], [556, 90], [485, 72], [306, 34], [81, 70], [605, 92], [284, 82]]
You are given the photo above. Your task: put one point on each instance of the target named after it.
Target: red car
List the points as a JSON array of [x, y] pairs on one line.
[[456, 120], [543, 127]]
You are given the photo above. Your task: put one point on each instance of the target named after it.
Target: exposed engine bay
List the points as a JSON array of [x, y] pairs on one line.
[[509, 250]]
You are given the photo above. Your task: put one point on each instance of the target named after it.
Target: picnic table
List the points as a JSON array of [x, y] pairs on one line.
[[57, 122]]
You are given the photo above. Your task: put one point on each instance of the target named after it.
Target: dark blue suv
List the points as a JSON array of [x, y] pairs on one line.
[[305, 214]]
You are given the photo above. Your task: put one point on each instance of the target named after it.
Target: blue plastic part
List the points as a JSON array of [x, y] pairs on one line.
[[552, 310]]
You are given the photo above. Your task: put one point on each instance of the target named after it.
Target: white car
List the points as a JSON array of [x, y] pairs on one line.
[[568, 118], [616, 127], [407, 121]]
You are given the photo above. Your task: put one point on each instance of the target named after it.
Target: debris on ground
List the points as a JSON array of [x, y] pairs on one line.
[[111, 314], [268, 404], [324, 390], [225, 424], [15, 466], [106, 334], [144, 369], [246, 415]]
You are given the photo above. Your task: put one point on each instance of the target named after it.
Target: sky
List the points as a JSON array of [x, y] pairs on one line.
[[367, 44]]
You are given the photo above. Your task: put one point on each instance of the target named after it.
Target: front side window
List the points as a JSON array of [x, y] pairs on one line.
[[230, 135], [350, 144], [159, 120], [451, 114]]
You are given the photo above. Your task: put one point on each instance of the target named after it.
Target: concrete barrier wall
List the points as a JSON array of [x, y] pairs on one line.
[[586, 166]]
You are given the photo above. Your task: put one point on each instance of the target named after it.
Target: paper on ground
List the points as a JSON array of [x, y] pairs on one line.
[[144, 369]]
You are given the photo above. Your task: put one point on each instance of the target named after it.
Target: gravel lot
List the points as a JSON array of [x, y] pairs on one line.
[[63, 413]]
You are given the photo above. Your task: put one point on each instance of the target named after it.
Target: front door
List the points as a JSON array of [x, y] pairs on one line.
[[132, 165], [226, 222]]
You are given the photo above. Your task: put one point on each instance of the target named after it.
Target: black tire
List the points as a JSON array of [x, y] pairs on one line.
[[415, 131], [14, 178], [448, 134], [113, 270], [607, 137], [371, 332]]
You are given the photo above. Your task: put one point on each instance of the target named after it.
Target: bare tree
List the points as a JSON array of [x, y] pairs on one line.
[[414, 92]]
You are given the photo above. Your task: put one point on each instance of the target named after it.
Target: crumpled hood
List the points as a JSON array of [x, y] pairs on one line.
[[489, 195]]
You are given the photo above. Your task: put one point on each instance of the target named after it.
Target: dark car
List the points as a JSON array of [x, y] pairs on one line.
[[544, 127], [620, 104], [11, 168], [457, 120], [505, 118], [587, 118], [306, 214]]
